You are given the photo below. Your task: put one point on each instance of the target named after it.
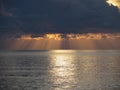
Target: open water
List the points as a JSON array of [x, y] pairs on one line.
[[60, 70]]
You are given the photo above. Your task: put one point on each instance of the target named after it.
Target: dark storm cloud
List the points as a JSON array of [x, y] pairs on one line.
[[58, 16]]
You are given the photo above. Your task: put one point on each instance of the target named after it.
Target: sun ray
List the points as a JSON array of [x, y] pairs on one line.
[[67, 41]]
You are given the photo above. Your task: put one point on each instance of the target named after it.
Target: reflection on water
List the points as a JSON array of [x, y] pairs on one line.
[[62, 73], [60, 70]]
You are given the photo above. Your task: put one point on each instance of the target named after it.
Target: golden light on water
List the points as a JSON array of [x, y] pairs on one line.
[[114, 2], [61, 61], [66, 70], [63, 51], [63, 71]]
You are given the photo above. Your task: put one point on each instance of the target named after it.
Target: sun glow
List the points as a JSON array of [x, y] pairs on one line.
[[63, 41], [114, 2], [53, 36], [71, 36]]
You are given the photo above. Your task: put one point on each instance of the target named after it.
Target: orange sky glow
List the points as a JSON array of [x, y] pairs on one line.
[[64, 41], [59, 36]]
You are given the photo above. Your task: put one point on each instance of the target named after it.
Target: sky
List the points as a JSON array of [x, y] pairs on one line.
[[59, 16], [78, 24]]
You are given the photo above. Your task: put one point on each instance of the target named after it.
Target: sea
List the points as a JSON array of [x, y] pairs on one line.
[[60, 70]]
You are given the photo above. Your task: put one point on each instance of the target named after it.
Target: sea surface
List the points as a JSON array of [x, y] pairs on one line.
[[60, 70]]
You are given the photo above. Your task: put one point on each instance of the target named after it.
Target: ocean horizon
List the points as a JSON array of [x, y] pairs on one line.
[[60, 70]]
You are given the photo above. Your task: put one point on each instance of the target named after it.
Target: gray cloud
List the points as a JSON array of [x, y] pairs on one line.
[[60, 16], [3, 11]]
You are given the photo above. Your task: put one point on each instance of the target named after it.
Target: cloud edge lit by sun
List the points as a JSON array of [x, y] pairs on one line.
[[114, 3]]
